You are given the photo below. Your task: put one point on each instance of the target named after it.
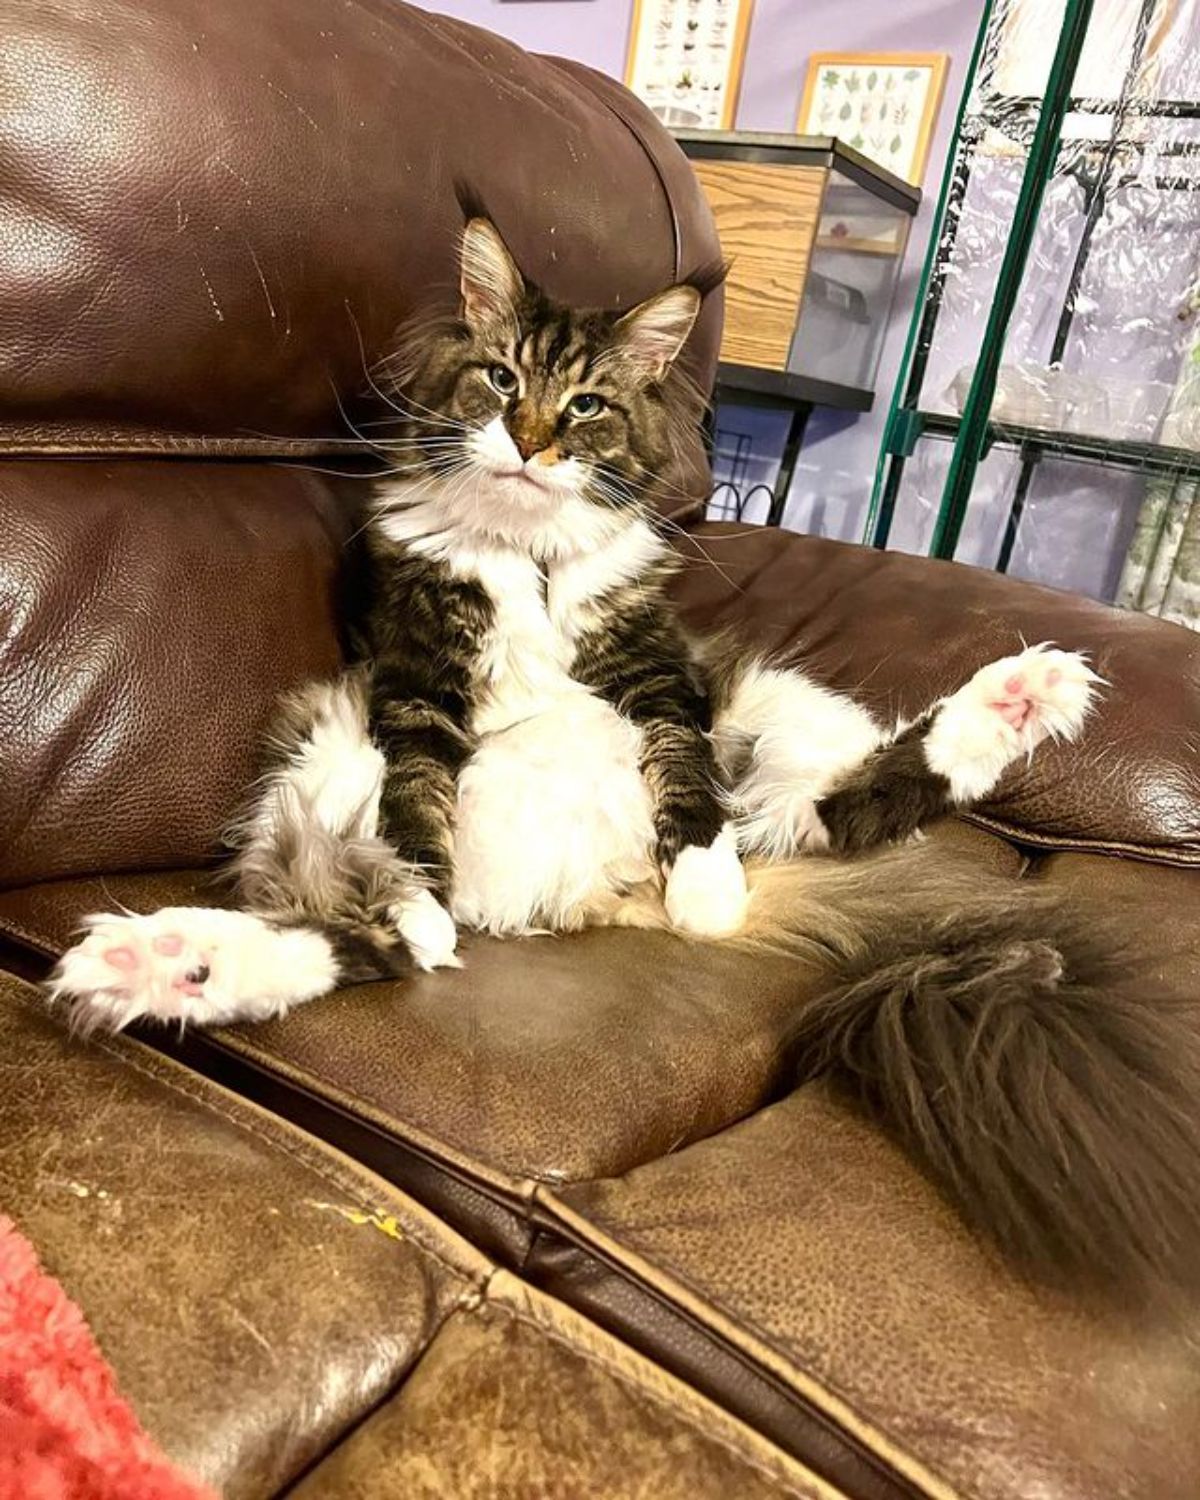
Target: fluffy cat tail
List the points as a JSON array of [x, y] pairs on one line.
[[1017, 1055]]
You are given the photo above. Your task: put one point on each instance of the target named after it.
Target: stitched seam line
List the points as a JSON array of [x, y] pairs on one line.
[[753, 1332], [651, 1397], [1152, 854]]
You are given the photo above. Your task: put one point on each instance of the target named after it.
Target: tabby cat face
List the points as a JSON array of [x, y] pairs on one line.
[[542, 403]]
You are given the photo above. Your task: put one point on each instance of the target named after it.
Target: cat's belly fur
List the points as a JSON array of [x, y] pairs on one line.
[[552, 812]]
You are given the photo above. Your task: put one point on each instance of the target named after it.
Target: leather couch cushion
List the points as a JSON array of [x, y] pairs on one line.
[[897, 632], [1159, 904], [150, 615], [259, 1295], [218, 214], [522, 1398], [542, 1060], [798, 1256], [256, 1293]]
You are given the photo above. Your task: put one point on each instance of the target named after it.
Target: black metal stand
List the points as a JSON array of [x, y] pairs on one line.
[[780, 390]]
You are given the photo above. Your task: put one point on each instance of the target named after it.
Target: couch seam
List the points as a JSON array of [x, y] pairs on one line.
[[186, 447], [14, 929], [625, 1379], [624, 1257], [1151, 854], [376, 1116]]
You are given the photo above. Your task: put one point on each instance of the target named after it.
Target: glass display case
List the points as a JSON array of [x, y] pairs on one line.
[[1047, 416], [815, 235]]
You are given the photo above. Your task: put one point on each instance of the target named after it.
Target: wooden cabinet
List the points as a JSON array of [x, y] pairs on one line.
[[814, 235]]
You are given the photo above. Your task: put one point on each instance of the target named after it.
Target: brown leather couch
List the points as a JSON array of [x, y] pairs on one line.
[[554, 1225]]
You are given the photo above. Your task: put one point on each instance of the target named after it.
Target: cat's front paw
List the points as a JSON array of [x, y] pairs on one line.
[[706, 889], [428, 929]]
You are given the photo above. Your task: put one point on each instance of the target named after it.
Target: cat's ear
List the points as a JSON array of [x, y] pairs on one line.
[[649, 338], [491, 284]]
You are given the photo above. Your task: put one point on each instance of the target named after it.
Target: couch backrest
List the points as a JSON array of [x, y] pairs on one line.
[[216, 212], [215, 215]]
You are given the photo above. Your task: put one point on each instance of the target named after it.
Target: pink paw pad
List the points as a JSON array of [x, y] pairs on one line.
[[170, 945], [121, 958]]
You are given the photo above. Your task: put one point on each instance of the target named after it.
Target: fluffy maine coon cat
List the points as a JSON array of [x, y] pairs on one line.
[[532, 745]]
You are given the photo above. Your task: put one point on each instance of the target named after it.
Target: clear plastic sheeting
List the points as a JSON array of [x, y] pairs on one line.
[[1091, 470]]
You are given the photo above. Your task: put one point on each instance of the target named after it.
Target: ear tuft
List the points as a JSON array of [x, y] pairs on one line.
[[650, 337], [491, 284]]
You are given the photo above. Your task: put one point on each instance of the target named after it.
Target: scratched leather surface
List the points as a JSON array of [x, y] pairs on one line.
[[806, 1240], [259, 1295], [220, 1257], [524, 1400], [216, 215]]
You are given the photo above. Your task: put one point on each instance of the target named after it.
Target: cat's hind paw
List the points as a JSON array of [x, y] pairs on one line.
[[127, 968], [188, 966], [1004, 712]]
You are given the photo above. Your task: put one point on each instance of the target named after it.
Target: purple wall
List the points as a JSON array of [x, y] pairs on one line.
[[832, 485], [595, 32]]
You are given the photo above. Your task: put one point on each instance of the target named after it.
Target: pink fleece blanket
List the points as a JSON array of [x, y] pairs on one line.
[[65, 1433]]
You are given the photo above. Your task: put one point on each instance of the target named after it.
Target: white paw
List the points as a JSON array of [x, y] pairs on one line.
[[428, 929], [189, 965], [706, 889], [1042, 692], [127, 968], [1006, 710]]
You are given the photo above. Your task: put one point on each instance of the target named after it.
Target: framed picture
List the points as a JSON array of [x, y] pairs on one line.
[[685, 59], [883, 104]]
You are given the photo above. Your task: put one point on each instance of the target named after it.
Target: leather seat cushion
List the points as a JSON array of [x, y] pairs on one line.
[[255, 1292], [550, 1061], [272, 1310], [542, 1060], [521, 1397], [802, 1273]]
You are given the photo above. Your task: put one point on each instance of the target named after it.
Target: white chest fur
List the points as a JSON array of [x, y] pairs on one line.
[[552, 808]]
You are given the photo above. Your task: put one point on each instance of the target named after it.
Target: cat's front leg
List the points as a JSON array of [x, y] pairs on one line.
[[424, 750], [640, 662], [697, 844]]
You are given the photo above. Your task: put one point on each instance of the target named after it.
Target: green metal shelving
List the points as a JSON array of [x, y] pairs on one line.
[[1037, 124]]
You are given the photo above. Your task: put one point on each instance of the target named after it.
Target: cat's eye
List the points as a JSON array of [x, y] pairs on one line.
[[502, 380], [585, 406]]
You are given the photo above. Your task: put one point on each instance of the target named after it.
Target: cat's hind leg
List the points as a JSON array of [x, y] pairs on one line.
[[782, 741], [954, 755], [190, 964], [325, 902]]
